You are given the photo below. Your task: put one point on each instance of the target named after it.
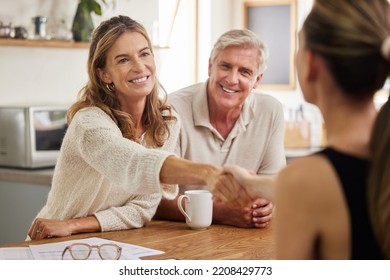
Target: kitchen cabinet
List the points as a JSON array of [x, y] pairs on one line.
[[22, 194], [19, 204]]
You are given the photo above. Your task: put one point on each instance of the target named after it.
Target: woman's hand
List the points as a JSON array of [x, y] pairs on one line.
[[255, 185], [228, 191], [45, 228]]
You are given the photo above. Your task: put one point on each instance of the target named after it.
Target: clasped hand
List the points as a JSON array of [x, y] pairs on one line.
[[231, 187], [234, 189]]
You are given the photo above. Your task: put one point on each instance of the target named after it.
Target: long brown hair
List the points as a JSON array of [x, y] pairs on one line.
[[157, 111], [379, 179]]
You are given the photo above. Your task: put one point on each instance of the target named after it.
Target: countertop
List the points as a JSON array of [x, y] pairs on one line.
[[44, 176], [30, 176], [292, 153]]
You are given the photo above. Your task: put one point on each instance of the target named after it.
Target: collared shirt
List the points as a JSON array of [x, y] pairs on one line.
[[256, 141]]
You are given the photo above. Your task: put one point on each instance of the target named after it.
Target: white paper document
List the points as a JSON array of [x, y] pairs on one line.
[[53, 251], [16, 253]]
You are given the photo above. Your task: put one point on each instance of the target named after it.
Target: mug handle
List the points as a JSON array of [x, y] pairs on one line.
[[179, 204]]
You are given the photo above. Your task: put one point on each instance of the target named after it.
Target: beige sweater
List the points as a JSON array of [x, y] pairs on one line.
[[101, 173]]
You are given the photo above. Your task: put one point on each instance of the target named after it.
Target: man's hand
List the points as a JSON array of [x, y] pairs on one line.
[[261, 212], [256, 214]]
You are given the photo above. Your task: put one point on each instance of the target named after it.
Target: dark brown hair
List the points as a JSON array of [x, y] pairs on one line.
[[349, 35]]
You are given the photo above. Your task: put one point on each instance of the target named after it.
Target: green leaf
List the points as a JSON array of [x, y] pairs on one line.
[[92, 6], [97, 8]]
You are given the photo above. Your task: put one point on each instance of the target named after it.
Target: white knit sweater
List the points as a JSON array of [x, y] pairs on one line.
[[101, 173]]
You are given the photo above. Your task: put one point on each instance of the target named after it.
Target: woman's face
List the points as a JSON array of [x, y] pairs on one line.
[[130, 66]]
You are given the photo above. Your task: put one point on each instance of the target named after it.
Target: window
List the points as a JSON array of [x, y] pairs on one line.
[[275, 24]]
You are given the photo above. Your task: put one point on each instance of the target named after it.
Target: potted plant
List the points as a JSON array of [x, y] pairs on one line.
[[82, 26]]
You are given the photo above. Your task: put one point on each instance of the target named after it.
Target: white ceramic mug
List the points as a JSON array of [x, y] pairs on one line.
[[198, 208]]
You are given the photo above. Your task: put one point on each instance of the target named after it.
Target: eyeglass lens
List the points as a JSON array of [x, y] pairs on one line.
[[109, 252], [80, 251]]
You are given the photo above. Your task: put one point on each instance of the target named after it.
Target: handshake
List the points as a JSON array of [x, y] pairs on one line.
[[237, 186]]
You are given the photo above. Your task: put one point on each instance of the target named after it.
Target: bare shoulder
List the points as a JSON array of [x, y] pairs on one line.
[[310, 206], [306, 168], [310, 179]]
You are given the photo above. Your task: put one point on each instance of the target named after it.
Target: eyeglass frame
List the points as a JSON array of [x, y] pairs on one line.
[[68, 248]]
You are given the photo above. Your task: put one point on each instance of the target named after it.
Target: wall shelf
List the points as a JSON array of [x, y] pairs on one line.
[[51, 44], [43, 43]]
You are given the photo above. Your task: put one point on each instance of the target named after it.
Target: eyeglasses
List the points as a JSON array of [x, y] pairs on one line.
[[82, 251]]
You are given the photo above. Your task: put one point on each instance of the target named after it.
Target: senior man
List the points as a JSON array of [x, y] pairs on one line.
[[225, 122]]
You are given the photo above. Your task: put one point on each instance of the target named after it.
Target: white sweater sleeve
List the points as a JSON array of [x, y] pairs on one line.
[[122, 161], [140, 207], [137, 211]]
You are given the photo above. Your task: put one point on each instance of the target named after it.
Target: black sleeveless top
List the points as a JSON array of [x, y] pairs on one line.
[[352, 172]]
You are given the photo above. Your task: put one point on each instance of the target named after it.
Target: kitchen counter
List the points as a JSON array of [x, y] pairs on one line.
[[293, 153], [44, 176], [35, 176]]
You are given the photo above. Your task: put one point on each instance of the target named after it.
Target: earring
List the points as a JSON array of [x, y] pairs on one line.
[[110, 87]]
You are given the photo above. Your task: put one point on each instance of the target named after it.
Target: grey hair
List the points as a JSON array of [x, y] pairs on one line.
[[241, 38]]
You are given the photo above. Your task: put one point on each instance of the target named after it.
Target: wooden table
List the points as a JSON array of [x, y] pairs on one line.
[[218, 242]]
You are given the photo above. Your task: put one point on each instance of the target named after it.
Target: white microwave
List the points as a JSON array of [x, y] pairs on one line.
[[31, 136]]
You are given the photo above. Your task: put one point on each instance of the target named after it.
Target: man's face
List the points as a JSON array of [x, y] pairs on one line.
[[232, 76]]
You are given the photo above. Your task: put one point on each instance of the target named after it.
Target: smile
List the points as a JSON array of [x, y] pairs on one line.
[[228, 90], [140, 80]]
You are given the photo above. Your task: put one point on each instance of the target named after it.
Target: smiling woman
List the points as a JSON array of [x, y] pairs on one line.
[[130, 72], [116, 160]]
